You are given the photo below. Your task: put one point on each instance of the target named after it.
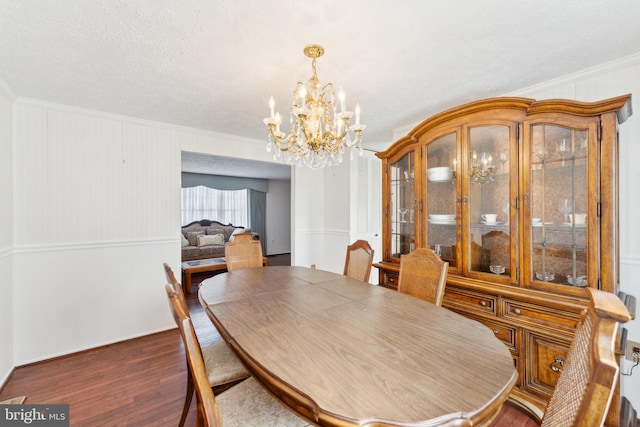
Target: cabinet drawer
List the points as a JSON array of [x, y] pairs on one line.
[[538, 315], [389, 279], [469, 301], [544, 362], [508, 334]]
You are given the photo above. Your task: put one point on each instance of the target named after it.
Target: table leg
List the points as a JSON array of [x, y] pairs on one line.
[[186, 280]]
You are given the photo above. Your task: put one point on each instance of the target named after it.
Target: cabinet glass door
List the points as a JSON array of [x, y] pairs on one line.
[[402, 205], [490, 159], [441, 209], [558, 210]]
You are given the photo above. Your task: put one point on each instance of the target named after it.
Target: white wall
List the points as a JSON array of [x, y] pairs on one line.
[[6, 233], [278, 217], [97, 211], [306, 215]]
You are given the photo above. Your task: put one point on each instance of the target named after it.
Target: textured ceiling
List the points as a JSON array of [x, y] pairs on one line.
[[213, 64]]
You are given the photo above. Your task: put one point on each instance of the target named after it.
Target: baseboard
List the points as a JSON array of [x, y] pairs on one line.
[[6, 380]]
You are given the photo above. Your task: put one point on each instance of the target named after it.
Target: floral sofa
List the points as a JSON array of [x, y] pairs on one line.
[[206, 239]]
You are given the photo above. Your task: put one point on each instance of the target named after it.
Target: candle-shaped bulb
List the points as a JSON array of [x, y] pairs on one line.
[[272, 105], [278, 120], [303, 95], [341, 98], [357, 110]]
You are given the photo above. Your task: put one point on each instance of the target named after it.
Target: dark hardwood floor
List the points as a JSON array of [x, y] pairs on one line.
[[139, 382]]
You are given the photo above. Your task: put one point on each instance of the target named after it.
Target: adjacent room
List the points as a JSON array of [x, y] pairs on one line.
[[331, 213]]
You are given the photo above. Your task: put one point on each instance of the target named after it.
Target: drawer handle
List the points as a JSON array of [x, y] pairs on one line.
[[496, 332], [558, 363], [517, 311], [483, 303]]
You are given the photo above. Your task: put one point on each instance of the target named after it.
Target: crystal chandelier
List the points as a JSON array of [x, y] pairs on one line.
[[481, 169], [319, 132]]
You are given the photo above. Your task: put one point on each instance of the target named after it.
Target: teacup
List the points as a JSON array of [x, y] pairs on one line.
[[489, 218], [535, 220], [578, 219]]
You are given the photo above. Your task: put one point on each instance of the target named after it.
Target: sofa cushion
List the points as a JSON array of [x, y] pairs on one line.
[[228, 231], [192, 237], [195, 252], [205, 240], [213, 231], [184, 240]]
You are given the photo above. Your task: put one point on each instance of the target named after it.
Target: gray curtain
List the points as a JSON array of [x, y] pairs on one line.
[[220, 182], [257, 209]]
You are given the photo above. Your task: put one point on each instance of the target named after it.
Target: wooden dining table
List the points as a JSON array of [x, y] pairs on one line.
[[342, 352]]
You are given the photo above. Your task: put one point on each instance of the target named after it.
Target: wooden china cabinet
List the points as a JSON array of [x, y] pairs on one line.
[[521, 198]]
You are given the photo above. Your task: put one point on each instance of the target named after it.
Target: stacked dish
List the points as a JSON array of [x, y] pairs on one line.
[[439, 174], [442, 218]]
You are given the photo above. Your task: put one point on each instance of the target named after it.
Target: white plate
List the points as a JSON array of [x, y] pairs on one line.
[[538, 224], [433, 221], [492, 223], [577, 225]]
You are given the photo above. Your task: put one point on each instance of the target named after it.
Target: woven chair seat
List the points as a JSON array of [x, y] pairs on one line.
[[249, 404], [222, 364]]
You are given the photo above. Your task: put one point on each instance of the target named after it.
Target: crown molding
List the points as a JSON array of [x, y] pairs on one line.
[[5, 89], [132, 120], [607, 67]]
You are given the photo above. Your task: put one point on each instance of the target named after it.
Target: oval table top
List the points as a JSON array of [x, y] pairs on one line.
[[343, 352]]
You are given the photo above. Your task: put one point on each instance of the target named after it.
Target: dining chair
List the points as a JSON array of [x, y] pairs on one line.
[[423, 274], [359, 260], [244, 404], [224, 369], [589, 373], [243, 252]]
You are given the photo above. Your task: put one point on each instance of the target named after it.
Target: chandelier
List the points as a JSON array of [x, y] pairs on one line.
[[320, 134], [481, 167]]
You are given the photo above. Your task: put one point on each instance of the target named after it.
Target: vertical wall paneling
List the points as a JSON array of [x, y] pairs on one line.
[[6, 236], [83, 172], [97, 211], [151, 185], [31, 222]]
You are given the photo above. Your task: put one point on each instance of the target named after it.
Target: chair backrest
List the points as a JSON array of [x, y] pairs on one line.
[[423, 274], [207, 407], [243, 252], [171, 278], [357, 264], [585, 387], [177, 287]]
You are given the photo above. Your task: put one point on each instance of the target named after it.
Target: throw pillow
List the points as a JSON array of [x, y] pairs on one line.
[[208, 240], [184, 240], [236, 231], [192, 237], [214, 231]]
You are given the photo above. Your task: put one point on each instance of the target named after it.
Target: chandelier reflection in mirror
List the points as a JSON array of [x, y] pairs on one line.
[[481, 167], [320, 134]]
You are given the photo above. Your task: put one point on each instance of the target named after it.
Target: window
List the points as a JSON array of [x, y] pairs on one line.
[[227, 207]]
